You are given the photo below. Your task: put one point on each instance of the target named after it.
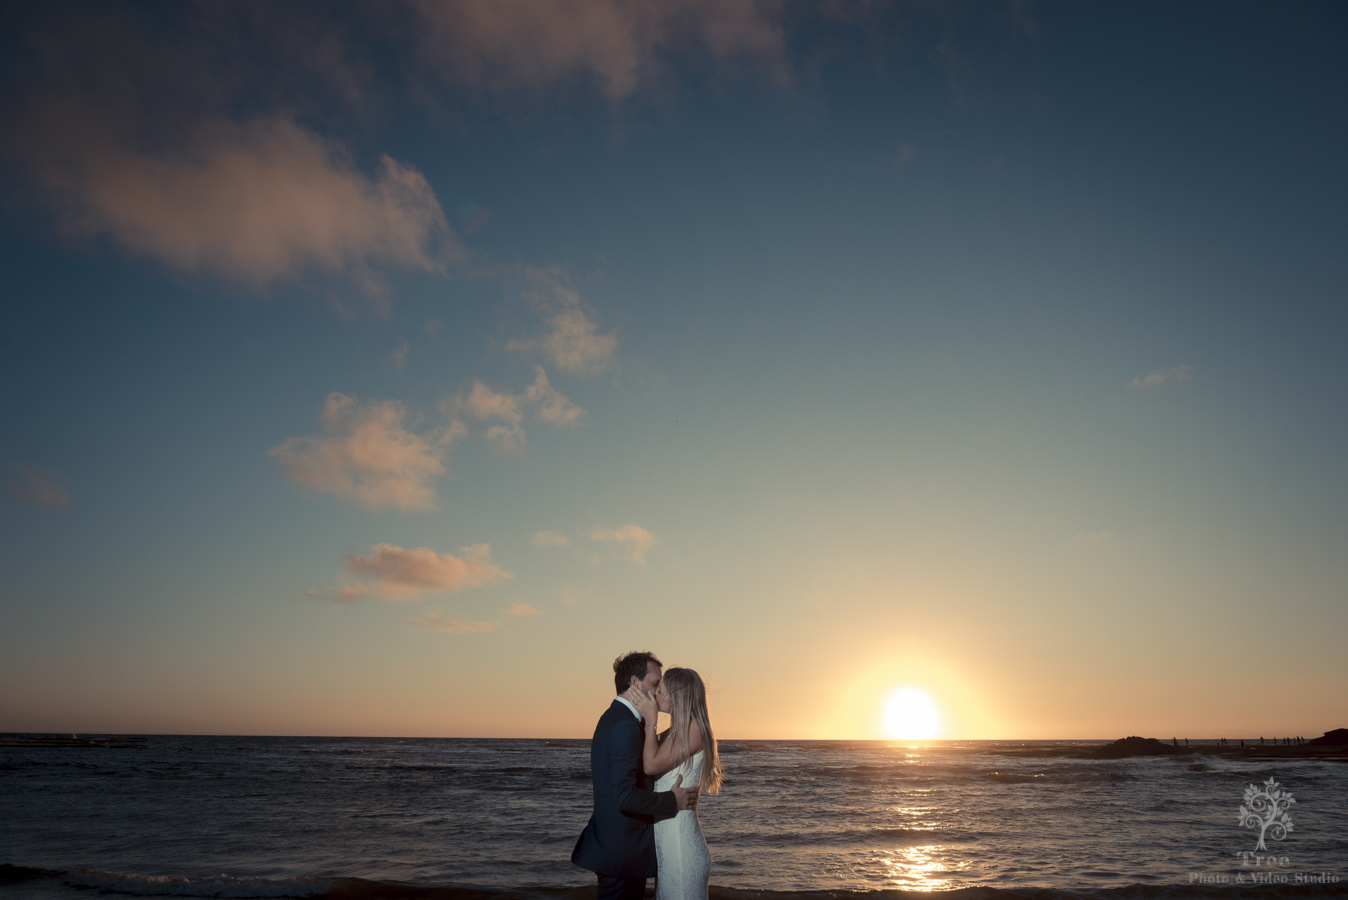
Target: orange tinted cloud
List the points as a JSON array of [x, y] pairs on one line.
[[39, 486], [546, 539], [520, 608], [637, 540], [572, 342], [398, 574], [540, 398], [503, 44], [258, 202], [368, 455]]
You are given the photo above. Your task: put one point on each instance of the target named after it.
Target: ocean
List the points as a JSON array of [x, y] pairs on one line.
[[457, 818]]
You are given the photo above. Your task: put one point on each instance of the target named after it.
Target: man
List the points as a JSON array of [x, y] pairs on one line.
[[618, 844]]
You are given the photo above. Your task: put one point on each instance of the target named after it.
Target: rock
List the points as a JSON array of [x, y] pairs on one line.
[[1135, 746], [1336, 738]]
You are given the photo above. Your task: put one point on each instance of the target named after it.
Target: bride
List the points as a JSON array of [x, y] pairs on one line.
[[687, 749]]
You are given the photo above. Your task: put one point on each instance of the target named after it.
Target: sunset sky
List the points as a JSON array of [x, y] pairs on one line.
[[389, 369]]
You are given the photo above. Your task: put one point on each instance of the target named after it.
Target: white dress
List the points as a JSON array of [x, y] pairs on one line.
[[683, 864]]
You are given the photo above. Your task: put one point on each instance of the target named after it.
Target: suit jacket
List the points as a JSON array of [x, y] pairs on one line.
[[619, 839]]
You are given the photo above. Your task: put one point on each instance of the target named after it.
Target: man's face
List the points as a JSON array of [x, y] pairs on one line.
[[651, 683]]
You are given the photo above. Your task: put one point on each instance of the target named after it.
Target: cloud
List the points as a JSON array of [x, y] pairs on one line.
[[367, 454], [549, 539], [39, 486], [1161, 376], [506, 438], [540, 399], [434, 620], [397, 574], [636, 539], [484, 403], [398, 358], [549, 404], [509, 44], [257, 202], [520, 608], [572, 342]]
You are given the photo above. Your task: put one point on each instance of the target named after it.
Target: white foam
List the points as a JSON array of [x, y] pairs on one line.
[[188, 886]]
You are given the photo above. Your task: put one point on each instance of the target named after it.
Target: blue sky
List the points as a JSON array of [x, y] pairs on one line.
[[391, 371]]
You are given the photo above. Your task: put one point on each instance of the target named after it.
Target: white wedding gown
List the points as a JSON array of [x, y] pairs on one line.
[[683, 864]]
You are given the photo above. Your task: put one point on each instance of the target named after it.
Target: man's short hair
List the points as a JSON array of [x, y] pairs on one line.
[[633, 664]]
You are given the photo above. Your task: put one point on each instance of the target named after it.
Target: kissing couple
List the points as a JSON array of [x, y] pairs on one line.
[[637, 829]]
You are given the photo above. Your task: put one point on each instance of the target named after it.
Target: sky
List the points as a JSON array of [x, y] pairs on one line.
[[391, 369]]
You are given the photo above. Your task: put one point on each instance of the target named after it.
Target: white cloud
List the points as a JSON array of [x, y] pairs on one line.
[[549, 539], [1161, 376], [367, 454], [637, 540], [434, 620]]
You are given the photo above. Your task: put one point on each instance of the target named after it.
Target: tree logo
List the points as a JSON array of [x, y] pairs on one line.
[[1266, 808]]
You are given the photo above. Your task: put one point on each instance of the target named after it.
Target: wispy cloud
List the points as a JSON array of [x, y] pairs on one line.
[[368, 454], [636, 540], [391, 573], [540, 399], [398, 358], [549, 539], [39, 486], [434, 620], [511, 44], [1162, 376], [572, 340], [520, 608]]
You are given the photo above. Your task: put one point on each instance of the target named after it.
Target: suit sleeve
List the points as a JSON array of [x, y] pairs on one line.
[[624, 764]]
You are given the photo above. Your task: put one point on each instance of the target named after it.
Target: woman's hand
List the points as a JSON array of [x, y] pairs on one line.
[[644, 702]]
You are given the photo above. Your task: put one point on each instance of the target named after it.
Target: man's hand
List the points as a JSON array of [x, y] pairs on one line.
[[686, 797]]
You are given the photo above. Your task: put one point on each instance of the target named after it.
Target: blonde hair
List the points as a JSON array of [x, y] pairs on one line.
[[688, 706]]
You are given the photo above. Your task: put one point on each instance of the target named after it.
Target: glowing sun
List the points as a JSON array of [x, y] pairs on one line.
[[910, 715]]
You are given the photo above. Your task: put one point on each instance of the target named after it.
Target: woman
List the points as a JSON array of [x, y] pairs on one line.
[[687, 749]]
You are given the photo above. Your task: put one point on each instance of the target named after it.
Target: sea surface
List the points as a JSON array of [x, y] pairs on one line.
[[454, 818]]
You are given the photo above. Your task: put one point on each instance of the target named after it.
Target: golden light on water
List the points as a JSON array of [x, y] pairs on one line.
[[910, 715]]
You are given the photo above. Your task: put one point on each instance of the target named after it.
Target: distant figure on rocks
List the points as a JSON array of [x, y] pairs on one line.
[[1174, 741], [1186, 742]]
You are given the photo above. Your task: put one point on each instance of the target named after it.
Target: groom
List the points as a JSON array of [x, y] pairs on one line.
[[618, 844]]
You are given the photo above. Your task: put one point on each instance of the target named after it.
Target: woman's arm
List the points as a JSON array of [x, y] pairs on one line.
[[658, 758]]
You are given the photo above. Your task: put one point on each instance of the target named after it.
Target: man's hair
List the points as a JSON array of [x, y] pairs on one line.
[[624, 667]]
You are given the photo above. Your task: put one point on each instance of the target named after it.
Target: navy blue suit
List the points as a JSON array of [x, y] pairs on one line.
[[619, 840]]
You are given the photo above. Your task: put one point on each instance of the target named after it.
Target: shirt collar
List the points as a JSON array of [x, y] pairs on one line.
[[625, 703]]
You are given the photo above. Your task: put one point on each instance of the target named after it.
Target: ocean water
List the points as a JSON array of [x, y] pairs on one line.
[[377, 817]]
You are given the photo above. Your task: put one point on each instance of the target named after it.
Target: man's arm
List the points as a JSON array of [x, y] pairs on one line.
[[624, 762]]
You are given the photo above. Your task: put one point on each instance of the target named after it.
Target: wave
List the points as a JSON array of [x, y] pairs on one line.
[[225, 886]]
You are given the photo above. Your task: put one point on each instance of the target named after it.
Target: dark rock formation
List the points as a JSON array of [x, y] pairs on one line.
[[1135, 746], [1336, 738]]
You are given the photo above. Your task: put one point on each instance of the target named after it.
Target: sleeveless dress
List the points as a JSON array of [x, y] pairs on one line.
[[683, 864]]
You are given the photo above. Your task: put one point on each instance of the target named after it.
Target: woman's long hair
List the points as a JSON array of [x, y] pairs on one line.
[[688, 706]]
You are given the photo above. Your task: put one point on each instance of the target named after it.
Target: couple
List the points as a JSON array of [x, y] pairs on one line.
[[638, 831]]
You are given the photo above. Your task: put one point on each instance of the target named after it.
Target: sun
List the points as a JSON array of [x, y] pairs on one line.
[[910, 715]]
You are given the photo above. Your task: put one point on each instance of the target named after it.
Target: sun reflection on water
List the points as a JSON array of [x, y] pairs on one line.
[[918, 868]]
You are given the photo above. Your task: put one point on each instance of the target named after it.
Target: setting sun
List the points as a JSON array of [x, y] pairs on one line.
[[910, 715]]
